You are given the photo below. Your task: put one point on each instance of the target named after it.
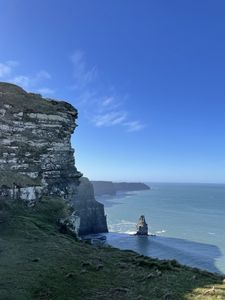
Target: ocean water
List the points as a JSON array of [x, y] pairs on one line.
[[188, 220]]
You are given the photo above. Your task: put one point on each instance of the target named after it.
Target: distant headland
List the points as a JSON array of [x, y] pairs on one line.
[[111, 188]]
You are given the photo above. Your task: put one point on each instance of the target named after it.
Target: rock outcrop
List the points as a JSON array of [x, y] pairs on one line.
[[36, 157], [111, 188], [142, 226]]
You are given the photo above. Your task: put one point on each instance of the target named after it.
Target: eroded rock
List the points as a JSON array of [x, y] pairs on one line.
[[142, 226]]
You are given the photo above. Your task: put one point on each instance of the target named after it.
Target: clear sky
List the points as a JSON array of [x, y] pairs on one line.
[[148, 78]]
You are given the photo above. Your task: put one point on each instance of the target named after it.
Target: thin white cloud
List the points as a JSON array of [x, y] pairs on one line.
[[108, 101], [101, 104], [86, 98], [43, 74], [7, 68], [29, 82], [4, 70], [82, 74], [21, 80], [46, 91], [134, 126], [110, 119]]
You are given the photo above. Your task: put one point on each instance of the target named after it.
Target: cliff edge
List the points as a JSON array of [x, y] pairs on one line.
[[36, 157]]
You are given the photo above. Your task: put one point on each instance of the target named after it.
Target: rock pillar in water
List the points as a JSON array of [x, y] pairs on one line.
[[142, 226]]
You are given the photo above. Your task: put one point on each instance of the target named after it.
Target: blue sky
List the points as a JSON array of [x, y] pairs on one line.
[[148, 78]]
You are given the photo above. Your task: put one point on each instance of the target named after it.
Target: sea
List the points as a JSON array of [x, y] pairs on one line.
[[187, 219]]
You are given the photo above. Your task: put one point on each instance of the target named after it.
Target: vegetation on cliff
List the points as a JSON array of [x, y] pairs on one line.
[[39, 262], [20, 100]]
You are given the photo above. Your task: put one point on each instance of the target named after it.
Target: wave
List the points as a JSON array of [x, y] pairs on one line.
[[123, 226], [130, 232], [160, 231]]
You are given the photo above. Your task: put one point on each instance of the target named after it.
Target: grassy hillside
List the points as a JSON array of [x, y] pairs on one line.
[[38, 262]]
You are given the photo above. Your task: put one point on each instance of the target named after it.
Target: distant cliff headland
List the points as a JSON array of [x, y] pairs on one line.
[[112, 188], [37, 160]]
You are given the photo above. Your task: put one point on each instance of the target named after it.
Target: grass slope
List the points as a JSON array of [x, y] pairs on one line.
[[38, 262]]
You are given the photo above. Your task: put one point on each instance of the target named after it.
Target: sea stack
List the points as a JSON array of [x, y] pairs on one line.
[[142, 226]]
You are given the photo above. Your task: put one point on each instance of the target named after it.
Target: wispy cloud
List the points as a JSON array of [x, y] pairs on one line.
[[46, 91], [110, 118], [31, 81], [7, 67], [4, 70], [82, 74], [134, 126], [21, 80], [9, 73], [102, 105]]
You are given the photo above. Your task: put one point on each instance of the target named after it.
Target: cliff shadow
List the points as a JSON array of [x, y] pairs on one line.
[[186, 252], [197, 263]]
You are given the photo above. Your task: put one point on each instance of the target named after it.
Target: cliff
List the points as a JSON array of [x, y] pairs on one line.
[[92, 216], [131, 186], [36, 157], [111, 188], [104, 188]]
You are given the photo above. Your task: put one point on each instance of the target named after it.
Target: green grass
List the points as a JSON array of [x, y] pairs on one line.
[[20, 100], [38, 262]]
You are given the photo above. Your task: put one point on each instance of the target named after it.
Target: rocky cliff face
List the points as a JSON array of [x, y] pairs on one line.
[[92, 220], [36, 157]]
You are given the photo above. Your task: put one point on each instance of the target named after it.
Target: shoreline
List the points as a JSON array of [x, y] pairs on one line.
[[160, 247], [179, 219]]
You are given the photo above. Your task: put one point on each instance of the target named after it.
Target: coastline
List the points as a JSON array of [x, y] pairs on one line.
[[175, 237]]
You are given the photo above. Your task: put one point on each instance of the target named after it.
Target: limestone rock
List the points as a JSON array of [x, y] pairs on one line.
[[36, 157], [142, 226]]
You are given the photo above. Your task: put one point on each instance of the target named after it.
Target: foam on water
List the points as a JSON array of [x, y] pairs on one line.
[[189, 222]]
